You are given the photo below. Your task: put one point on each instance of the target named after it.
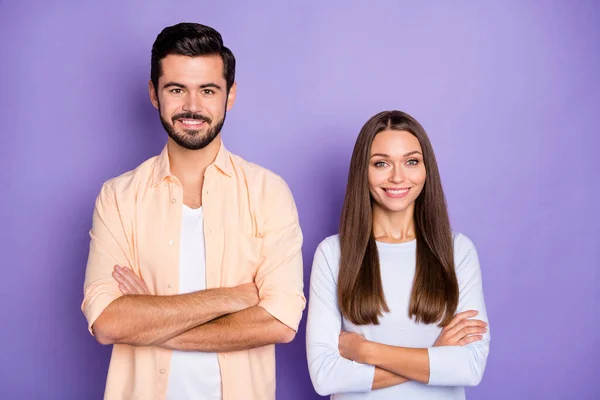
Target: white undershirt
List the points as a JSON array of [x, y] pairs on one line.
[[193, 375]]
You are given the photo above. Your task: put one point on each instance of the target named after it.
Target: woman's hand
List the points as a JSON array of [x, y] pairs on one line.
[[351, 346], [461, 330]]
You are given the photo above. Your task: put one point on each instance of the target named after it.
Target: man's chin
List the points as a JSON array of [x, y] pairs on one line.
[[192, 142], [189, 132]]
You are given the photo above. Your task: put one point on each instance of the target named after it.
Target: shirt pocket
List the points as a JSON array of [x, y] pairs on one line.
[[243, 257]]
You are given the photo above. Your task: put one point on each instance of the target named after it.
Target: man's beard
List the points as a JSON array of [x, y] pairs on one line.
[[192, 139]]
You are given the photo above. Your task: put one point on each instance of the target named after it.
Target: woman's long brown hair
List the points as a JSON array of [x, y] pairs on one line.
[[434, 295]]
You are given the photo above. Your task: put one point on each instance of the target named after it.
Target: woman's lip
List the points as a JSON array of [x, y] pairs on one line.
[[396, 193]]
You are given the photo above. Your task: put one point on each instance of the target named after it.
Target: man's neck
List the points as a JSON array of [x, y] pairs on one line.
[[189, 165]]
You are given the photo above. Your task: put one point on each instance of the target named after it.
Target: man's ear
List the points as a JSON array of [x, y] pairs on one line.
[[231, 96], [153, 94]]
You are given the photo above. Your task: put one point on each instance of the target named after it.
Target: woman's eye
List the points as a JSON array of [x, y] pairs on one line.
[[380, 164], [412, 162]]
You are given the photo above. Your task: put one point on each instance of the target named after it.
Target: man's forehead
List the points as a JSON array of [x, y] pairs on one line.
[[199, 67]]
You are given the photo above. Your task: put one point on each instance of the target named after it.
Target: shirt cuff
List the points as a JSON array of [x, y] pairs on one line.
[[287, 308], [442, 364]]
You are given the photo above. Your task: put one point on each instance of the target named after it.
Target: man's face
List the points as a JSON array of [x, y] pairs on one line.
[[192, 99]]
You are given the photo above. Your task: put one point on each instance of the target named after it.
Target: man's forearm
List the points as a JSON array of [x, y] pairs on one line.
[[142, 320], [246, 329]]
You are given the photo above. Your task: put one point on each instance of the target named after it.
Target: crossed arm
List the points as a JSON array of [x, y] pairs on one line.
[[341, 362], [188, 322], [120, 310], [395, 364]]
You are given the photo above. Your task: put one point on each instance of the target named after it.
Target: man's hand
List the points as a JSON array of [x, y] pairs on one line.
[[129, 282]]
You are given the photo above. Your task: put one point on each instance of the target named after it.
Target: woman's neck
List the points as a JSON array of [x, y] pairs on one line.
[[393, 227]]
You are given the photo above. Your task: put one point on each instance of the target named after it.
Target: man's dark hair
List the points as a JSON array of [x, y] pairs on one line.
[[192, 40]]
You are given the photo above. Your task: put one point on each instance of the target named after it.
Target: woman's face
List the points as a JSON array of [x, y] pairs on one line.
[[396, 170]]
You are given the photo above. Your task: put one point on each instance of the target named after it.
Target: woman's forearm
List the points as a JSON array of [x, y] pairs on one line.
[[404, 361]]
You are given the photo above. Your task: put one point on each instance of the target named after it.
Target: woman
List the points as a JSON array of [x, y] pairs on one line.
[[393, 297]]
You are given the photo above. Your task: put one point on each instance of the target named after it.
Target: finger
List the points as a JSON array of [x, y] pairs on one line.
[[125, 278], [123, 289], [470, 330], [118, 276], [461, 316], [345, 336], [465, 323], [470, 339], [135, 282], [130, 289]]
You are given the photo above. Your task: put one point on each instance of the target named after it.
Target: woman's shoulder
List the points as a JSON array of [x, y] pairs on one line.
[[327, 255], [465, 254], [462, 243], [330, 246]]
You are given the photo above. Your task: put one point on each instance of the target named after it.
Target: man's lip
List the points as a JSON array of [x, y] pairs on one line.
[[191, 121]]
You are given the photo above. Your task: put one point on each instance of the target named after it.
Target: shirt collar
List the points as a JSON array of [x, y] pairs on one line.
[[162, 168]]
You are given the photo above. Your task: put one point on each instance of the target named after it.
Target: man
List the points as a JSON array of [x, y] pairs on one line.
[[195, 269]]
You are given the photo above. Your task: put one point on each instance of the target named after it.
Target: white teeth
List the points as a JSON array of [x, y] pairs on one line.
[[191, 122], [396, 191]]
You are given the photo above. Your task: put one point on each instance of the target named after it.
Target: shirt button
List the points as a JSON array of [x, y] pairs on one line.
[[171, 242], [173, 201], [162, 371], [170, 285]]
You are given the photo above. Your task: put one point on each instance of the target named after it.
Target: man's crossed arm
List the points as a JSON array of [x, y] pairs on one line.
[[213, 320]]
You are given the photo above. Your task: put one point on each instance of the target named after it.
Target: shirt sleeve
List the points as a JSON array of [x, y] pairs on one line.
[[108, 247], [329, 371], [280, 275], [463, 365]]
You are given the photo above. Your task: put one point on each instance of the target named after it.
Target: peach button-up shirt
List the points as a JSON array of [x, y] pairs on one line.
[[252, 234]]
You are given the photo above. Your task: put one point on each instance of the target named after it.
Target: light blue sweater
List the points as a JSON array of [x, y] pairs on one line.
[[451, 367]]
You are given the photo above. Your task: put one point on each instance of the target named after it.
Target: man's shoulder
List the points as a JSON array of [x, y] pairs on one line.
[[132, 179], [257, 175]]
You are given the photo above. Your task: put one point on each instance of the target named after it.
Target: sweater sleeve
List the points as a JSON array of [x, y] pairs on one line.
[[463, 365], [330, 373]]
